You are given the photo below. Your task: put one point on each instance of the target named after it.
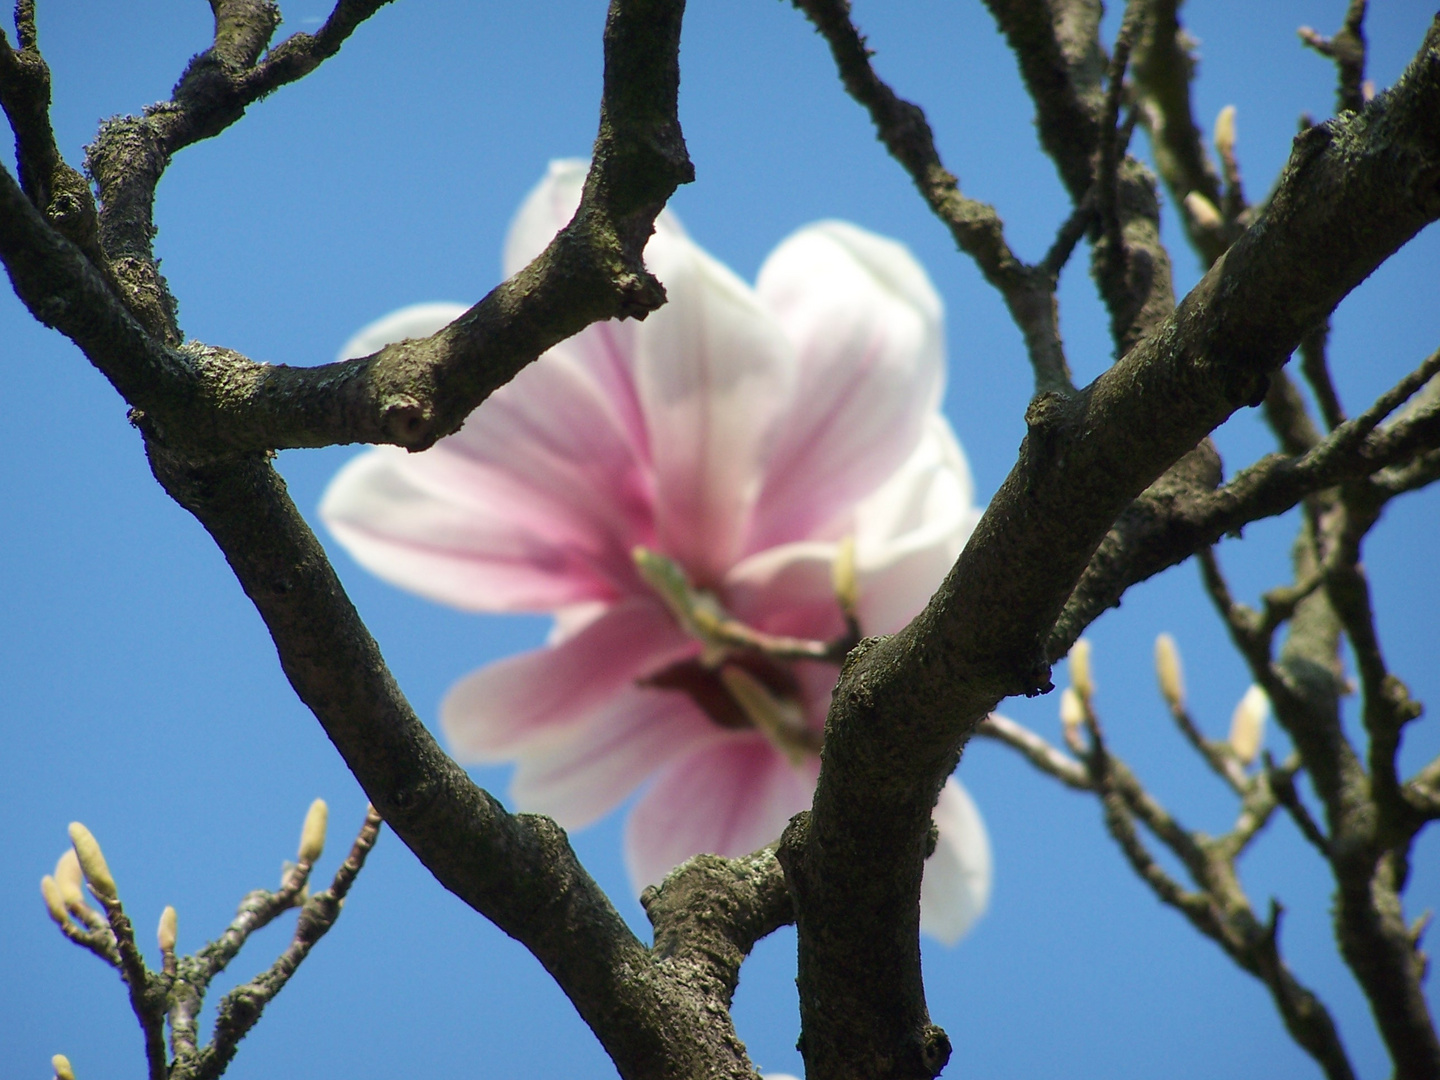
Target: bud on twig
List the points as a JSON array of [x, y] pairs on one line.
[[54, 900], [1072, 709], [842, 576], [92, 862], [165, 934], [1169, 672], [312, 836], [1080, 669], [61, 1064], [1247, 725], [71, 881], [1202, 211], [1225, 133]]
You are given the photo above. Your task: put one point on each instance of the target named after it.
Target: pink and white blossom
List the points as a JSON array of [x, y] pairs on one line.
[[749, 437]]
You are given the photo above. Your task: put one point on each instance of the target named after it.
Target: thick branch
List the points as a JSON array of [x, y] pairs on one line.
[[1355, 190]]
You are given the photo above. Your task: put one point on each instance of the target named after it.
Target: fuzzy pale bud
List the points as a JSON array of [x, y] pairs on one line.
[[92, 862], [312, 836], [61, 1064], [1080, 669], [71, 880], [1202, 211], [1072, 709], [842, 576], [1247, 725], [1225, 133], [1169, 672], [165, 934], [54, 900]]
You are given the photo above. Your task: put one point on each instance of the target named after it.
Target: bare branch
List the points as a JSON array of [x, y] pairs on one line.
[[1347, 49], [1029, 292], [1043, 755], [905, 704]]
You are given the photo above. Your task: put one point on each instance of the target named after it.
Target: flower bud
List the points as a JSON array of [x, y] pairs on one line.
[[71, 881], [312, 835], [1080, 669], [1072, 709], [1225, 132], [842, 576], [54, 900], [1247, 725], [1169, 672], [61, 1064], [1202, 211], [92, 862], [165, 935]]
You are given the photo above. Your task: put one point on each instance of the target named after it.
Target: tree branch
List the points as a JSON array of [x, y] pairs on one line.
[[1028, 291], [1353, 192]]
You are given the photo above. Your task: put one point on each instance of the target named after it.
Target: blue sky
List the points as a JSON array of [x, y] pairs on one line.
[[142, 696]]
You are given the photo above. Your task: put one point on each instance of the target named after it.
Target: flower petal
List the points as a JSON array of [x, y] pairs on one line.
[[956, 888], [524, 703], [714, 376], [911, 531], [637, 732], [867, 328], [415, 321], [787, 590], [535, 503], [728, 798]]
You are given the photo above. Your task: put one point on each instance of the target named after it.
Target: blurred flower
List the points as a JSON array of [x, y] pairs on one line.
[[746, 439]]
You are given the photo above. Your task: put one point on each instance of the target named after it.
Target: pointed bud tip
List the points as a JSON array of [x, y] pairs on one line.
[[312, 835], [61, 1064], [54, 900], [1247, 725], [92, 862], [1225, 131], [1202, 211], [1080, 669], [165, 933], [842, 576], [1072, 709], [71, 880], [1168, 671]]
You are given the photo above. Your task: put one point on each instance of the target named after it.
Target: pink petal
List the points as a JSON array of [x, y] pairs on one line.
[[787, 590], [956, 887], [522, 703], [714, 377], [415, 321], [535, 503], [593, 769], [867, 327], [728, 798], [911, 531]]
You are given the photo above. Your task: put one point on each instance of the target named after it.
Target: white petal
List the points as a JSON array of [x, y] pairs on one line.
[[415, 321], [956, 888], [911, 531], [787, 590], [867, 328]]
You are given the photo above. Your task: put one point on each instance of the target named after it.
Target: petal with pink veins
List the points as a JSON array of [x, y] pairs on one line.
[[956, 888], [728, 798], [525, 703], [911, 531], [596, 767], [867, 328], [715, 377], [535, 503]]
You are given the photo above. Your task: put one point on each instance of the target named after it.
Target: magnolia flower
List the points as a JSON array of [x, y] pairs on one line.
[[698, 498]]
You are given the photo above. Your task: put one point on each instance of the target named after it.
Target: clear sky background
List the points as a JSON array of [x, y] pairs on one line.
[[142, 696]]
